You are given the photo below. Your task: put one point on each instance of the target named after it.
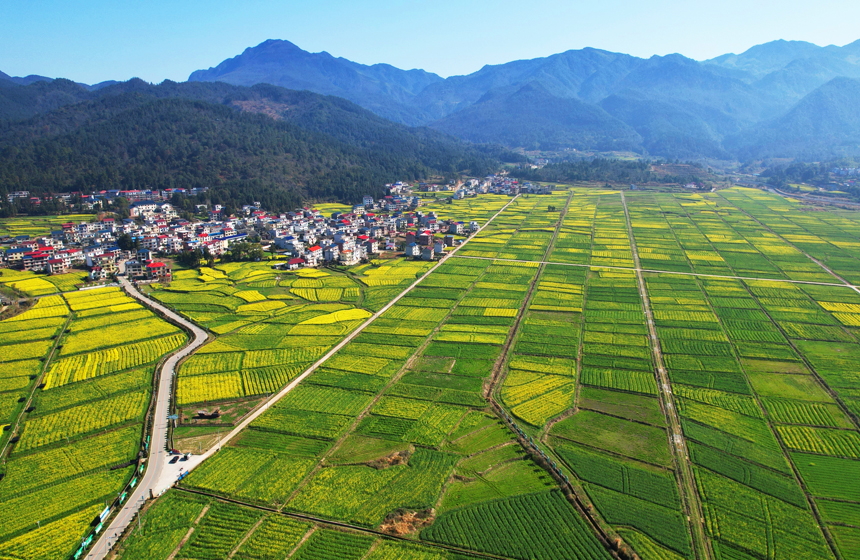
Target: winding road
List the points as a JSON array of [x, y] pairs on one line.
[[160, 475], [157, 461]]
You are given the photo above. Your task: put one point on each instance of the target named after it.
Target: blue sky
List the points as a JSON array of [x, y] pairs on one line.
[[95, 40]]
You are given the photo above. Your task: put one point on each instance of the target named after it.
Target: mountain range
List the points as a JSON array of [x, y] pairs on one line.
[[591, 99], [784, 99]]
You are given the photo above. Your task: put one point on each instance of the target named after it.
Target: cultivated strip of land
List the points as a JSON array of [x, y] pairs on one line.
[[689, 494], [699, 274]]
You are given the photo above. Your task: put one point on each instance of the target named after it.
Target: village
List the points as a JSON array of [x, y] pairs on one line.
[[304, 237]]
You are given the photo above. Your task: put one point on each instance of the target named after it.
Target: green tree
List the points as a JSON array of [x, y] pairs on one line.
[[121, 205], [126, 242], [191, 259]]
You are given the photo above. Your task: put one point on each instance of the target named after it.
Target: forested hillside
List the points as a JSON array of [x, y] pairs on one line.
[[264, 143]]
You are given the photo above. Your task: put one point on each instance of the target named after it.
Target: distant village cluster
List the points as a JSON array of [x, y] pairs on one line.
[[848, 176], [104, 198], [305, 237], [393, 223], [494, 184], [157, 228], [845, 171]]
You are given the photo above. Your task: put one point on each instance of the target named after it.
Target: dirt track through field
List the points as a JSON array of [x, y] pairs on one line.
[[689, 493]]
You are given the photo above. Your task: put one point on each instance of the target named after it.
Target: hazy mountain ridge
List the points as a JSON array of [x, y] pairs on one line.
[[381, 88], [532, 117], [683, 107], [761, 60], [823, 124], [586, 99]]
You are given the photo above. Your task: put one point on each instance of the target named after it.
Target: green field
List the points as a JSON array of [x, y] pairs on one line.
[[747, 451], [270, 325], [87, 359], [36, 226]]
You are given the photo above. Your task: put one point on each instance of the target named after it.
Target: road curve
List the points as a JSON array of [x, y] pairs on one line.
[[153, 478], [158, 456]]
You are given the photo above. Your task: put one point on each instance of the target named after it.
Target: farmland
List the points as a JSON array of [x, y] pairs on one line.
[[220, 529], [30, 284], [270, 325], [403, 426], [82, 365], [731, 433], [541, 313], [34, 226]]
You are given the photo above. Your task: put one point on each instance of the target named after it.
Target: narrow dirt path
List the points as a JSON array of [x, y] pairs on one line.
[[689, 494]]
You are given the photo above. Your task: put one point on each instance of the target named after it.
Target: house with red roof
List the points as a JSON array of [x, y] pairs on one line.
[[315, 252], [36, 261], [157, 270], [57, 266]]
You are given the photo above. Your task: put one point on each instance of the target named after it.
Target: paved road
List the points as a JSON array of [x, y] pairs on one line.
[[158, 457], [160, 475]]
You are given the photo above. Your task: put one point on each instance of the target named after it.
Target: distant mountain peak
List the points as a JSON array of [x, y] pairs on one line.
[[667, 105], [765, 58], [281, 44], [383, 89], [26, 80]]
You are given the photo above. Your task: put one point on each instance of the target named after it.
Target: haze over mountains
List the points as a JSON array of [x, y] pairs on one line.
[[780, 99], [592, 99]]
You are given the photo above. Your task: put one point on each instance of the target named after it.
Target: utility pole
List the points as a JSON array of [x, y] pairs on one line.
[[140, 514]]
